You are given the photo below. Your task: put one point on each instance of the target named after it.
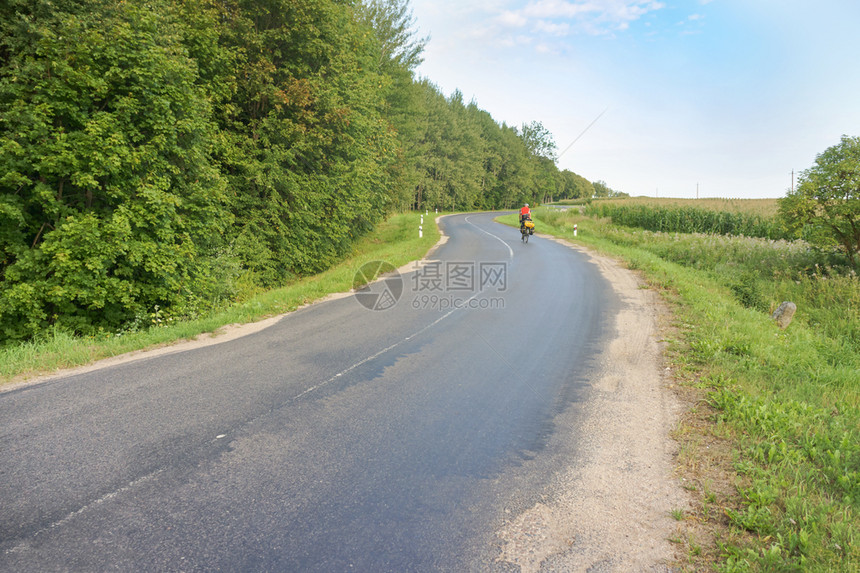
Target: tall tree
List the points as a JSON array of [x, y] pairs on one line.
[[305, 143], [398, 53], [539, 140], [575, 186], [825, 207], [394, 26]]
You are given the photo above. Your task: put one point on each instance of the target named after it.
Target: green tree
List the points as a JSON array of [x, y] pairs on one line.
[[398, 53], [825, 206], [539, 140], [518, 174], [304, 144], [601, 189], [575, 186], [450, 156], [394, 26], [110, 203]]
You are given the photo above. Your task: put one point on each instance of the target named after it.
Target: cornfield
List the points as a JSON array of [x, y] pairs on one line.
[[763, 207], [689, 220]]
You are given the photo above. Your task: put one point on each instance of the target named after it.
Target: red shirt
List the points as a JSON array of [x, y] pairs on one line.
[[525, 211]]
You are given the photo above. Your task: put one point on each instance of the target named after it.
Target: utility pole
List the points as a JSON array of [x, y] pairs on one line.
[[792, 180], [697, 190]]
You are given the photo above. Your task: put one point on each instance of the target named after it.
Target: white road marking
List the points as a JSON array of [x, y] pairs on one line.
[[413, 335], [384, 350], [501, 240], [24, 545]]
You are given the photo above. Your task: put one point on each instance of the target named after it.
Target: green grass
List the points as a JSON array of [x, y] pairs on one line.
[[787, 402], [395, 241]]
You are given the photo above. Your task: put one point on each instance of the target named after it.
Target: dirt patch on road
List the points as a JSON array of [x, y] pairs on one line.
[[613, 510]]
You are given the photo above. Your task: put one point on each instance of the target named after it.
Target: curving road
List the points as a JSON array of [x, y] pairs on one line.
[[339, 439]]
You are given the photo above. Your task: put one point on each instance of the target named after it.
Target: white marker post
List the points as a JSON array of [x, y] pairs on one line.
[[574, 230], [420, 231]]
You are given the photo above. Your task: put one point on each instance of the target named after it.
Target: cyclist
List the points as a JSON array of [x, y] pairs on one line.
[[525, 215]]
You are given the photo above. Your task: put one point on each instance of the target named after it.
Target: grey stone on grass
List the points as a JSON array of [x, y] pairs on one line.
[[784, 313]]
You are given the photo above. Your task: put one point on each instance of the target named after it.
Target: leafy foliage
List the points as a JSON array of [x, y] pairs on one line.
[[303, 143], [393, 23], [538, 140], [601, 189], [110, 200], [825, 207]]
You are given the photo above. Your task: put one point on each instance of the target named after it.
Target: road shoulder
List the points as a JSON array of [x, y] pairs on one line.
[[612, 511]]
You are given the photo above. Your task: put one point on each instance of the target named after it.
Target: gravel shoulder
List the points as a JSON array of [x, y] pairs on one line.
[[612, 510]]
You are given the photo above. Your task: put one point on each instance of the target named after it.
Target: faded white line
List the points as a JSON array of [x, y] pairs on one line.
[[411, 336], [501, 240], [25, 544], [384, 350]]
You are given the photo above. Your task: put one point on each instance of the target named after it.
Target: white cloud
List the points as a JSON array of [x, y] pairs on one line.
[[552, 28], [512, 19], [694, 20], [516, 41], [559, 9], [565, 17]]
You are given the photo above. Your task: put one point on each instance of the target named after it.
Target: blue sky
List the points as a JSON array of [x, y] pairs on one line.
[[728, 95]]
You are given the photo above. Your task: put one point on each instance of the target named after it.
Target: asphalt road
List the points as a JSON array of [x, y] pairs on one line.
[[339, 439]]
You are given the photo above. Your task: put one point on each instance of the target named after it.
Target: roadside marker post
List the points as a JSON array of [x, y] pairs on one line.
[[574, 230]]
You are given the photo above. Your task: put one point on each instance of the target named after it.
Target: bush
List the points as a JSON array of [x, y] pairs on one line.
[[109, 200]]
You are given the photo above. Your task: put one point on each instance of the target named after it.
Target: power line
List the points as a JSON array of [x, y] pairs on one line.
[[583, 132]]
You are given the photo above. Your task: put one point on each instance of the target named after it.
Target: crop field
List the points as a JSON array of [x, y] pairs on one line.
[[722, 217], [761, 207], [770, 445]]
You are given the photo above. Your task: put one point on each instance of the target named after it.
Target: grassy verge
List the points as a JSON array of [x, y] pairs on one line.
[[395, 241], [770, 447]]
